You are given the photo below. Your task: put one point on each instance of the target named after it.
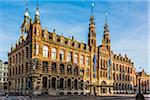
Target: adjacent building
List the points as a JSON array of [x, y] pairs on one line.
[[3, 75], [45, 62], [144, 79]]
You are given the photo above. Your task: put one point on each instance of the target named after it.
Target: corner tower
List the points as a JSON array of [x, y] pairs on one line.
[[25, 27], [36, 27]]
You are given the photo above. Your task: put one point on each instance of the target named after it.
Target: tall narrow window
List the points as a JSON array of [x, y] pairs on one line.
[[81, 60], [62, 55], [53, 54], [69, 56], [45, 66], [36, 48], [87, 61], [76, 58], [27, 52], [45, 51]]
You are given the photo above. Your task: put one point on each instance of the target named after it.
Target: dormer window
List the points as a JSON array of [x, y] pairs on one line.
[[45, 35], [76, 45], [54, 39], [69, 43]]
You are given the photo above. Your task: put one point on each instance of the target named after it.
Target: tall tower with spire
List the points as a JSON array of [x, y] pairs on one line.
[[92, 32], [106, 36], [36, 27], [37, 14]]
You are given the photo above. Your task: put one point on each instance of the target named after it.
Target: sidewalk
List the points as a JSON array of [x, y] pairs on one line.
[[128, 95]]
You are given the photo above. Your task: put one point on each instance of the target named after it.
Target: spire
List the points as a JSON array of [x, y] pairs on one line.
[[92, 23], [25, 25], [26, 13], [106, 17], [92, 7], [106, 36], [37, 14], [106, 27]]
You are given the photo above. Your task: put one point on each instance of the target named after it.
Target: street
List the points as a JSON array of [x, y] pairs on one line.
[[73, 98]]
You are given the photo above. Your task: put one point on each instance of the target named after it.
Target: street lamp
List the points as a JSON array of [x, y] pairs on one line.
[[139, 75]]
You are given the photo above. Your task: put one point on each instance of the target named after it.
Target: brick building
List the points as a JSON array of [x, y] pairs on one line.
[[45, 62]]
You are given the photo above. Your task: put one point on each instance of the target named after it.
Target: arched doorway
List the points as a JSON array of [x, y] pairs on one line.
[[76, 84], [54, 83], [104, 88], [44, 82], [61, 83], [69, 84]]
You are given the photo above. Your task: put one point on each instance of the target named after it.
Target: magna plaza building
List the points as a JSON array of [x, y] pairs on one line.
[[45, 62]]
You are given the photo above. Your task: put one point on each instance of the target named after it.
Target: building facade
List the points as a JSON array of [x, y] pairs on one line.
[[3, 75], [45, 62], [144, 79]]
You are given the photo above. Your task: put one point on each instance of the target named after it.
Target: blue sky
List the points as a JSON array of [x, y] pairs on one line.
[[128, 23]]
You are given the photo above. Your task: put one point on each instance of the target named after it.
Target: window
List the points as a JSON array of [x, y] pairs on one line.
[[27, 52], [16, 58], [113, 66], [53, 67], [62, 57], [76, 58], [69, 69], [45, 66], [76, 71], [87, 72], [82, 72], [81, 60], [62, 69], [45, 51], [26, 67], [76, 45], [22, 55], [19, 57], [53, 53], [36, 48], [69, 57], [87, 61]]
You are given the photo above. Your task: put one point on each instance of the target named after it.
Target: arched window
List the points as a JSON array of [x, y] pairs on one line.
[[54, 67], [69, 69], [62, 57], [82, 72], [76, 58], [19, 57], [45, 51], [36, 49], [61, 83], [76, 84], [76, 71], [53, 53], [81, 60], [87, 61], [69, 57], [45, 66], [69, 84], [62, 69], [54, 83]]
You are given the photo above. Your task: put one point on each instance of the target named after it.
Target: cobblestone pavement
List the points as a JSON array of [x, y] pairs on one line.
[[72, 98]]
